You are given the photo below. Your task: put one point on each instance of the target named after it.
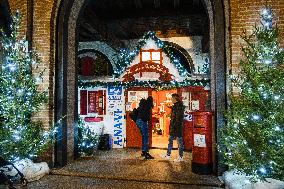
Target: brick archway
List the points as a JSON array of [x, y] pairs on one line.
[[66, 13]]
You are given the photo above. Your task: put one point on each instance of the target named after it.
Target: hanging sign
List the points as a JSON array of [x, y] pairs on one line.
[[148, 67]]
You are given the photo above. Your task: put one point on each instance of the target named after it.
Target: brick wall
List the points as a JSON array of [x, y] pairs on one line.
[[21, 6], [244, 15], [41, 44]]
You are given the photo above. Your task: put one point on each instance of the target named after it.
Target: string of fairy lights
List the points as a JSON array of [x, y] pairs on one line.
[[21, 137], [88, 139], [126, 57], [253, 131], [159, 85]]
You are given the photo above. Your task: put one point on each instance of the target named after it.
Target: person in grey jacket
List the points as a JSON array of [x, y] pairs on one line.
[[176, 127]]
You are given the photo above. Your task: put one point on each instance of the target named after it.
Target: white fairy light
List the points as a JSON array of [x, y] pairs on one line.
[[277, 128], [262, 170], [276, 97], [20, 91], [12, 67], [265, 95], [256, 117], [264, 11], [267, 61]]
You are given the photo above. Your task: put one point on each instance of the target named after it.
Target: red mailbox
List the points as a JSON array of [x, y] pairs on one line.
[[202, 143]]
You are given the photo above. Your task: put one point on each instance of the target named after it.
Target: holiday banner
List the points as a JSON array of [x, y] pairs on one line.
[[116, 112]]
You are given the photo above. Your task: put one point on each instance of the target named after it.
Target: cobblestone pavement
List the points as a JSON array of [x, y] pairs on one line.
[[124, 168]]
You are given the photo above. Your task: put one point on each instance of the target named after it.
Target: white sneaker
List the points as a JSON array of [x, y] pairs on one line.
[[165, 156], [179, 159]]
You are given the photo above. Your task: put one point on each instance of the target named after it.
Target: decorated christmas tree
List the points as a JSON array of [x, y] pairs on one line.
[[20, 135], [88, 139], [254, 134]]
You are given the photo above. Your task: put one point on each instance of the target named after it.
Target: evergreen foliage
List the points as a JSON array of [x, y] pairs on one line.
[[20, 136], [254, 134]]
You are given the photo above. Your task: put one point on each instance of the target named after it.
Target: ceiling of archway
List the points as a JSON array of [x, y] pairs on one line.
[[115, 20]]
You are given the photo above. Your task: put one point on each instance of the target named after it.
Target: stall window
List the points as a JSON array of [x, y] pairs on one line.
[[151, 55], [92, 102], [94, 64]]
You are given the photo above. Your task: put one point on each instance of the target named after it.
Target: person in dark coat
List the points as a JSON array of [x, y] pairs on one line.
[[144, 115], [176, 127]]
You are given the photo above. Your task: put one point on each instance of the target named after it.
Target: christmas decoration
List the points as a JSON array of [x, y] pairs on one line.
[[205, 67], [126, 57], [254, 134], [158, 85], [88, 139], [20, 136], [148, 67]]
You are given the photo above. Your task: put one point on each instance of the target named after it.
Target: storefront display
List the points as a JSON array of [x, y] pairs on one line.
[[110, 104]]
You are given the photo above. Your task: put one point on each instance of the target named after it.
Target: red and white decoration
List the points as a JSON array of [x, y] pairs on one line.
[[151, 64], [105, 110]]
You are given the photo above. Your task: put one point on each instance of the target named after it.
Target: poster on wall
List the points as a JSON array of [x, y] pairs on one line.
[[131, 96], [92, 101], [116, 111], [185, 100], [141, 94], [134, 98]]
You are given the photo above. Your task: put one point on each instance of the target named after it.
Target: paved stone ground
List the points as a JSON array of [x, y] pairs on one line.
[[67, 182], [124, 168]]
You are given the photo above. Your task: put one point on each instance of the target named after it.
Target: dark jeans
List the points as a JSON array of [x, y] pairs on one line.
[[180, 145], [143, 128]]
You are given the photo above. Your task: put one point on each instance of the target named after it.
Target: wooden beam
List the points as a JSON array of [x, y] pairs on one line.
[[138, 4], [176, 4], [157, 4], [84, 35], [120, 4], [88, 27], [195, 3], [119, 27]]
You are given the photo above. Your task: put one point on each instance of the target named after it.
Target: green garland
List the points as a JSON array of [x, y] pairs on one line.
[[158, 85], [126, 57]]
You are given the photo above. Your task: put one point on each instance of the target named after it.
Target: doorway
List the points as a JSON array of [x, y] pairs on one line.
[[161, 118]]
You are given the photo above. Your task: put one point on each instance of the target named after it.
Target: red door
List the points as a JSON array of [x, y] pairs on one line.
[[133, 136], [194, 98]]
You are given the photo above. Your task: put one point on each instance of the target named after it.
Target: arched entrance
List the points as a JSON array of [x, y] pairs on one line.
[[65, 72]]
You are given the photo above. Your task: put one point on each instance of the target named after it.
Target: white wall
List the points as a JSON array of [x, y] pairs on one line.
[[150, 44], [112, 123], [192, 44]]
